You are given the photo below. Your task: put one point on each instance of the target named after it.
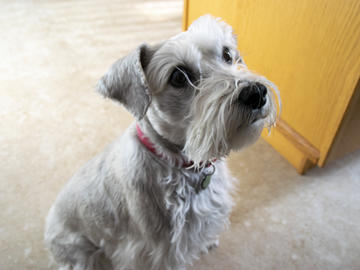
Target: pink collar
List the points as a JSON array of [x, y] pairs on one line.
[[146, 141], [151, 147]]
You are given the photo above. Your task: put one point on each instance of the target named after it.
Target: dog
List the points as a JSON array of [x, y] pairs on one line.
[[159, 196]]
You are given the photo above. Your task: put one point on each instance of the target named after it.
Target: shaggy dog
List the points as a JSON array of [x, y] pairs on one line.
[[158, 196]]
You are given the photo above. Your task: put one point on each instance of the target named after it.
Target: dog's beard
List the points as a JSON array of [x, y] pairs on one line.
[[219, 123]]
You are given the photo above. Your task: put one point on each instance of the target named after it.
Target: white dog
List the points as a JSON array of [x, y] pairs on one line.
[[158, 197]]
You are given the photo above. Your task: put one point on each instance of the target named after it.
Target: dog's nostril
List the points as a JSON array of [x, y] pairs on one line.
[[262, 89], [253, 96]]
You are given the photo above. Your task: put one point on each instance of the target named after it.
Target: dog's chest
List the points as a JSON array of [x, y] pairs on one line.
[[197, 215]]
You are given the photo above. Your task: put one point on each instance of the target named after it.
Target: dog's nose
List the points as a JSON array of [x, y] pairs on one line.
[[253, 95]]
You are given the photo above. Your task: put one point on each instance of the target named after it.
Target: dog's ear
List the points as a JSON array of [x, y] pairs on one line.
[[126, 83]]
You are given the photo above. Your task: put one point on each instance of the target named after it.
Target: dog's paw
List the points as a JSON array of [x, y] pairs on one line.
[[213, 245]]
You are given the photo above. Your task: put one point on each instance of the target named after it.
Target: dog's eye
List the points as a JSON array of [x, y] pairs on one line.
[[178, 77], [227, 55]]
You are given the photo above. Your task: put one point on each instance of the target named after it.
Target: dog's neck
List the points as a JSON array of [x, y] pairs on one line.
[[162, 147], [158, 139]]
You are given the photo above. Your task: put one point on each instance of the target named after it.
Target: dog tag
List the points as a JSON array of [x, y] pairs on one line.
[[205, 178], [205, 182]]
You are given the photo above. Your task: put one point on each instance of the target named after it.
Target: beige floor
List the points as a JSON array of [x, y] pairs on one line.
[[52, 53]]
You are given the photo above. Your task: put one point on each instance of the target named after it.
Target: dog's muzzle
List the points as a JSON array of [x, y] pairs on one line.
[[253, 96]]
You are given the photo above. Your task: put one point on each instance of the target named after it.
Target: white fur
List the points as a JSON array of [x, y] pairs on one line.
[[128, 209]]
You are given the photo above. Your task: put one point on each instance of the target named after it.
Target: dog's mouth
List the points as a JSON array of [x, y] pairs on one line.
[[257, 115], [252, 122], [257, 119], [260, 115]]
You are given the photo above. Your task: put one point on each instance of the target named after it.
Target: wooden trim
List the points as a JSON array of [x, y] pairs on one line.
[[305, 165], [298, 141], [185, 18]]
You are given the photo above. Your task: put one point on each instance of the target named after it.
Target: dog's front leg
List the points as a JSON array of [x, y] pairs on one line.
[[213, 245], [71, 249]]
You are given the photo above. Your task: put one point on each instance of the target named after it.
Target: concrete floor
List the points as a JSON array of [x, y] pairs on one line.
[[52, 53]]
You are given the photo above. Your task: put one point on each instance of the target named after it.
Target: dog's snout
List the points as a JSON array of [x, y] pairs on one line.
[[253, 95]]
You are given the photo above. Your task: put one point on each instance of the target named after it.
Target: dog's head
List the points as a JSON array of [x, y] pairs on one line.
[[195, 90]]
